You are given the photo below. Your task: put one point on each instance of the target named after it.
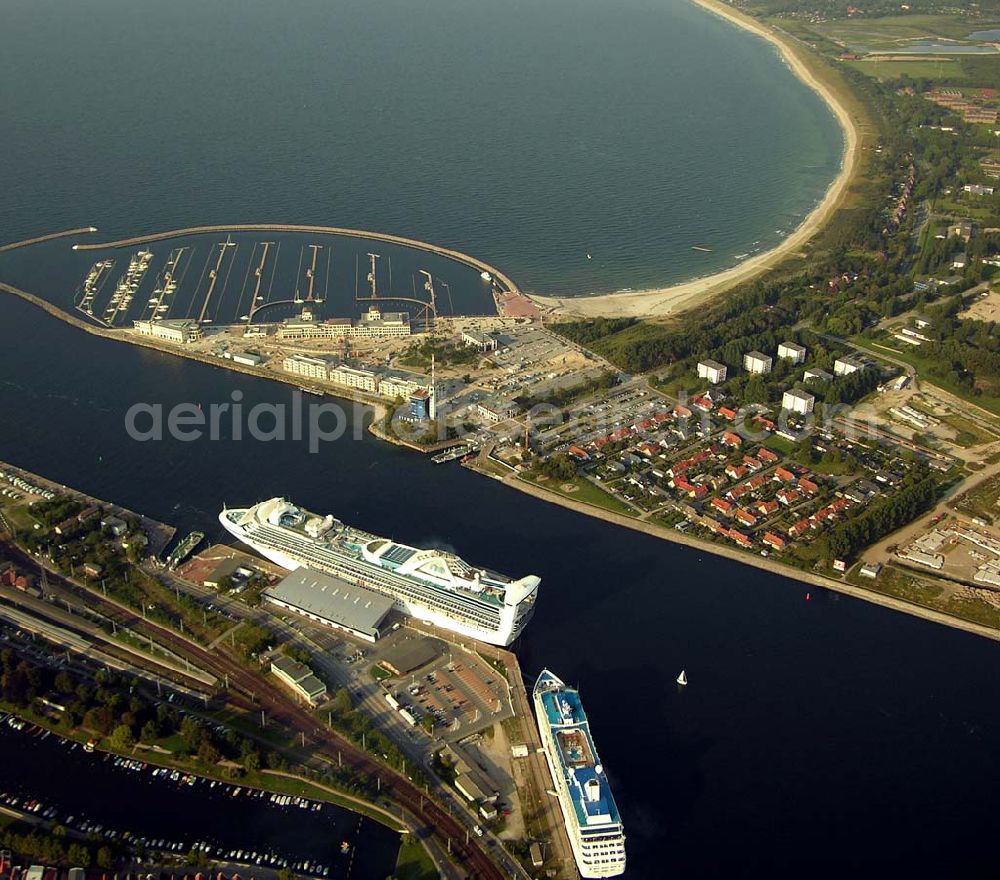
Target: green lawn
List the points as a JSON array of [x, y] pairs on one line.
[[780, 445], [586, 492], [413, 862], [896, 31], [944, 69], [927, 371]]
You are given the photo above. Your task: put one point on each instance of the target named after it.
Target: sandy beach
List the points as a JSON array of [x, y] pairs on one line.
[[671, 300]]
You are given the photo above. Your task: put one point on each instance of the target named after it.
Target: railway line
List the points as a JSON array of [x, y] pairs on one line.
[[254, 693]]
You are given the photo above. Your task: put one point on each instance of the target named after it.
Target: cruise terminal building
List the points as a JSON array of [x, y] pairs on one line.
[[332, 602]]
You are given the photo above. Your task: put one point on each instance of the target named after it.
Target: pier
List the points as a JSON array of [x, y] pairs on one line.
[[502, 283]]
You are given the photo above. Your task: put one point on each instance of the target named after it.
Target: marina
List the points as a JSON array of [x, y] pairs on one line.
[[93, 284], [246, 276], [121, 298], [228, 823]]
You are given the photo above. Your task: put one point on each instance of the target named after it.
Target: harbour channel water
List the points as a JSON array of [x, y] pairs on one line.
[[815, 737]]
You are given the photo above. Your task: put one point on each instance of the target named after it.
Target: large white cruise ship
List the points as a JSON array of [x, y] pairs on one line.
[[592, 821], [430, 585]]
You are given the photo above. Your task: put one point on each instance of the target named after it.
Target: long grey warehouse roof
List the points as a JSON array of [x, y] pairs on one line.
[[330, 598]]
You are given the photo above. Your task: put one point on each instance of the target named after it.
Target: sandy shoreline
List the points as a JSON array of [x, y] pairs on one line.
[[675, 298]]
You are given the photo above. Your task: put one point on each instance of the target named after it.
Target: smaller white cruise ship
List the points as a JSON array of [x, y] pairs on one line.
[[593, 824]]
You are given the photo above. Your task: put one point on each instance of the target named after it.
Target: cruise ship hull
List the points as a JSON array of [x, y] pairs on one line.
[[598, 846], [502, 636]]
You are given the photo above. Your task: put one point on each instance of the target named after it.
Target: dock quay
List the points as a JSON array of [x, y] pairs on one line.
[[159, 534], [500, 281], [450, 454]]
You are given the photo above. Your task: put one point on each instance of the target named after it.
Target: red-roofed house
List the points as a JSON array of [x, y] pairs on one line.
[[682, 412], [578, 453], [746, 517], [740, 538], [702, 403], [752, 463], [765, 454], [808, 486], [735, 472], [766, 424], [722, 505], [737, 492], [801, 526], [773, 540], [727, 413], [649, 449], [766, 508], [732, 440], [784, 475], [756, 482], [788, 496]]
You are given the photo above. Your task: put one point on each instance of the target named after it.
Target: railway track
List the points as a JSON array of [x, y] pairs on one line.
[[253, 692]]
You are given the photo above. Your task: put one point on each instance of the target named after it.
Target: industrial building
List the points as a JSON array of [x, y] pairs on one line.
[[757, 362], [792, 351], [247, 359], [332, 602], [798, 401], [483, 341], [496, 410], [299, 678], [180, 331], [712, 370]]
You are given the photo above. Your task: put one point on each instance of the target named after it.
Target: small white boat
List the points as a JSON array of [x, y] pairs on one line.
[[682, 678], [486, 276], [589, 257]]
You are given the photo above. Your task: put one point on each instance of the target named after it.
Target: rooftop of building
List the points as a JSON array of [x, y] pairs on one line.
[[330, 598]]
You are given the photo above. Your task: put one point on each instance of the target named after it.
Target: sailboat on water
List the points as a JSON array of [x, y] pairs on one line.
[[682, 678]]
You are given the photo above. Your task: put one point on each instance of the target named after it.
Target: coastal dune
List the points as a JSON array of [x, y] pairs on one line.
[[679, 297]]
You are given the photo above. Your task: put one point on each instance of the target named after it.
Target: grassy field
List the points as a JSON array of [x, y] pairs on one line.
[[587, 493], [927, 369], [981, 500], [942, 69], [414, 863], [893, 32]]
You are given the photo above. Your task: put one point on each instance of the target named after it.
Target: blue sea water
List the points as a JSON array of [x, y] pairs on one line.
[[527, 133], [817, 738]]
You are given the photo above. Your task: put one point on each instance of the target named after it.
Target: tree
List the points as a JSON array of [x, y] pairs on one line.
[[105, 858], [121, 738], [150, 731]]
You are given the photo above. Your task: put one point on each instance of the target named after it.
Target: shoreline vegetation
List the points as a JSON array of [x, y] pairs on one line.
[[766, 564], [672, 299]]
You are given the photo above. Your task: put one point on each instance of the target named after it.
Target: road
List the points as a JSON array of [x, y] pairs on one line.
[[366, 695], [255, 693]]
